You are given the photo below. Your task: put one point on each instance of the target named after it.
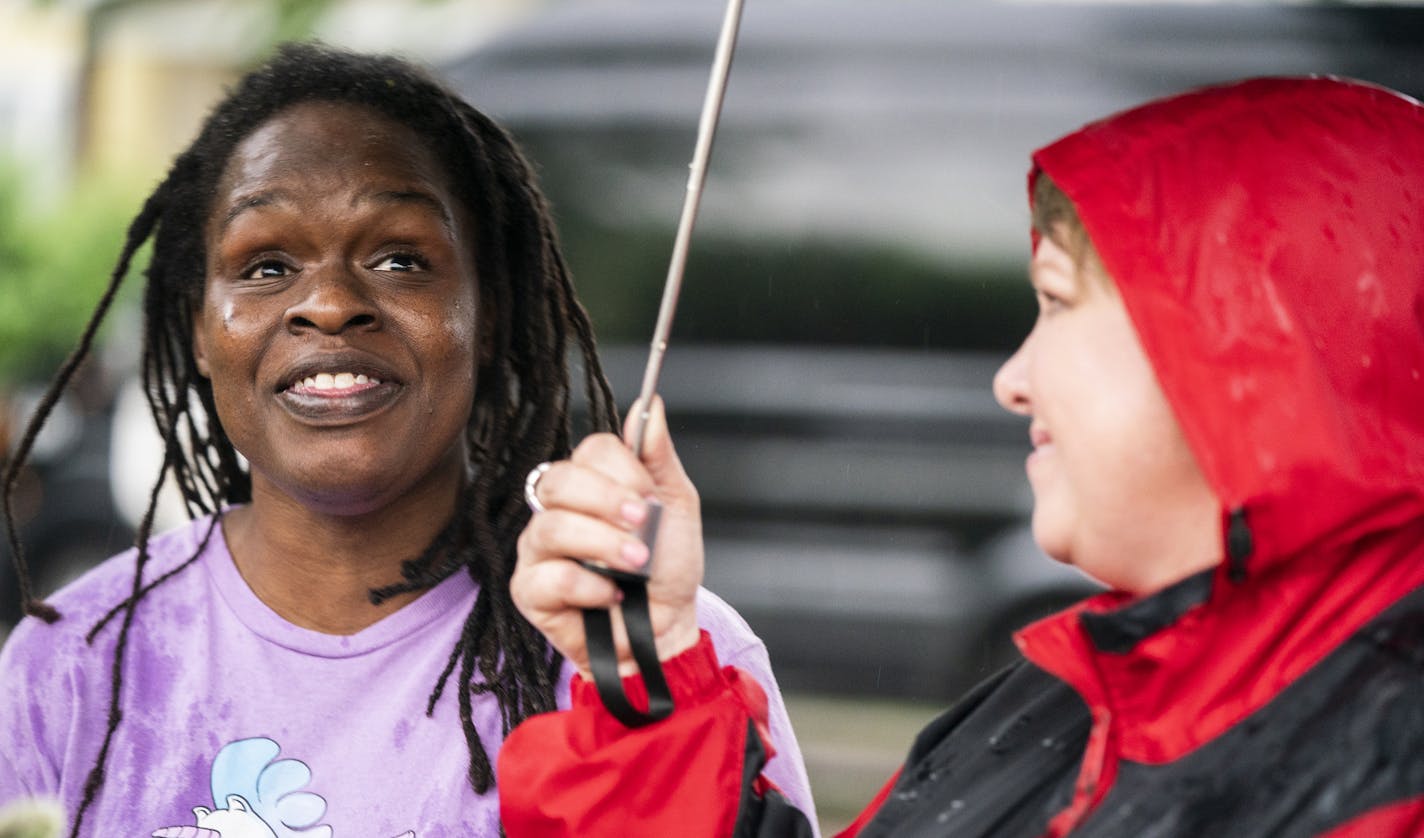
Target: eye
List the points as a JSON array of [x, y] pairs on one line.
[[267, 269], [1049, 302], [400, 263]]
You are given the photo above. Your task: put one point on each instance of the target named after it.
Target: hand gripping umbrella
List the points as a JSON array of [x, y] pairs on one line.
[[598, 626]]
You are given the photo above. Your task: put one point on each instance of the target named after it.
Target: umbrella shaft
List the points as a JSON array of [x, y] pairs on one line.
[[697, 175]]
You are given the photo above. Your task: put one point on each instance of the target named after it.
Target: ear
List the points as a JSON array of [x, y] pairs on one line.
[[200, 341]]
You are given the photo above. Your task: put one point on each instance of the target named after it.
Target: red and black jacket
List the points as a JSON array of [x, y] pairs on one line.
[[1267, 239]]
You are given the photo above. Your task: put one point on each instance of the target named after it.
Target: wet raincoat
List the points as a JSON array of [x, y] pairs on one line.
[[1267, 239]]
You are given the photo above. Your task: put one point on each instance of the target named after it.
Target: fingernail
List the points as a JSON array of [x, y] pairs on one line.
[[635, 552], [634, 511]]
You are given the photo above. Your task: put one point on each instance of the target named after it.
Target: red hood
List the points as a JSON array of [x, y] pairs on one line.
[[1272, 234], [1267, 238]]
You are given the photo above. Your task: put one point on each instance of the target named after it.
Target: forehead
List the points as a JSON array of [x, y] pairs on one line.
[[321, 147]]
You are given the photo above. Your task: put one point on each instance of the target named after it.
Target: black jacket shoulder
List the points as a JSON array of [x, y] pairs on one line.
[[1000, 762]]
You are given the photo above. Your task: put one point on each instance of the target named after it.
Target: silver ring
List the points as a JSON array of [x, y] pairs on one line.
[[531, 486]]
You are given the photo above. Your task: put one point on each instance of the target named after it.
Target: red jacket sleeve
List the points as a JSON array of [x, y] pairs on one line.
[[696, 773], [1398, 820]]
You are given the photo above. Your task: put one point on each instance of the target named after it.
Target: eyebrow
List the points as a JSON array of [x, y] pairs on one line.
[[272, 197], [425, 199], [252, 201]]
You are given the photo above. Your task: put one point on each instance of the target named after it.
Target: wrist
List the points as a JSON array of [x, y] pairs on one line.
[[669, 644], [692, 675], [678, 639]]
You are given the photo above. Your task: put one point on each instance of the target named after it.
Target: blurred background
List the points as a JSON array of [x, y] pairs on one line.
[[856, 276]]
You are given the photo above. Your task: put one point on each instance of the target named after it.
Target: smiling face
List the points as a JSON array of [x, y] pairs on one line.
[[1116, 490], [339, 323]]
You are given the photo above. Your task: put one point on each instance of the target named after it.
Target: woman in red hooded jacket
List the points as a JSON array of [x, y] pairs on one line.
[[1226, 387]]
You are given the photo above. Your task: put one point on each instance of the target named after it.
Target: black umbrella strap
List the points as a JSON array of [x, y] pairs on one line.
[[603, 656]]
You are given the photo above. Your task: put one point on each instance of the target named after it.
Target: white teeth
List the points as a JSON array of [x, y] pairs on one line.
[[335, 381]]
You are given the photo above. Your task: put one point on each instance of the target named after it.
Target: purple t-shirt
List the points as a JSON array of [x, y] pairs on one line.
[[240, 722]]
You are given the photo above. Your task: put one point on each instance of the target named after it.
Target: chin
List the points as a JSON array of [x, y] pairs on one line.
[[1051, 539], [328, 491], [345, 500]]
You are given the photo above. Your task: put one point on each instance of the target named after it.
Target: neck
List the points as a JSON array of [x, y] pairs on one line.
[[317, 567]]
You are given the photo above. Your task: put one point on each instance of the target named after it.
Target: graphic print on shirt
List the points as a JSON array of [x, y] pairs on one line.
[[260, 797]]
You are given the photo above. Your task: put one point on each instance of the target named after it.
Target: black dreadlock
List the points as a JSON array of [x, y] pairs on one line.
[[520, 415]]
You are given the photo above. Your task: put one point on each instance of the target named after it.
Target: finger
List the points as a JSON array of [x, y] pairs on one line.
[[607, 455], [659, 456], [561, 534], [577, 488], [545, 590]]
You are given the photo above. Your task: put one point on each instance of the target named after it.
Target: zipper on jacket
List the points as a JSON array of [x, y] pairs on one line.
[[1239, 544]]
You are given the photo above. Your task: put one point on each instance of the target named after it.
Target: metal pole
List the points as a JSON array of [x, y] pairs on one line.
[[697, 175]]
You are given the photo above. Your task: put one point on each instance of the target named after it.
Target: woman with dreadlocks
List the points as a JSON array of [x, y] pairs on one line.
[[357, 321]]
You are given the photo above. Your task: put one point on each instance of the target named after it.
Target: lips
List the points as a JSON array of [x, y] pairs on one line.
[[1042, 442], [338, 388]]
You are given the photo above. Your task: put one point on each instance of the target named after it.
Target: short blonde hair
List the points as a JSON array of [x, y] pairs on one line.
[[1055, 217]]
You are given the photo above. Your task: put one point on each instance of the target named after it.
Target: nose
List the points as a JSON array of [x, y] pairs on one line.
[[1011, 382], [332, 300]]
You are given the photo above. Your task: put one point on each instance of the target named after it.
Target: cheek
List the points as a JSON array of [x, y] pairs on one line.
[[230, 340], [461, 338], [231, 335], [1165, 463], [450, 338], [465, 323], [1098, 435], [452, 398], [227, 315]]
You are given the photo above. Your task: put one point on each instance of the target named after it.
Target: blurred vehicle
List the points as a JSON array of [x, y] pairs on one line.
[[864, 510]]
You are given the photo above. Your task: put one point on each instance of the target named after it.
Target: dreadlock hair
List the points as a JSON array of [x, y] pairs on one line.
[[520, 415]]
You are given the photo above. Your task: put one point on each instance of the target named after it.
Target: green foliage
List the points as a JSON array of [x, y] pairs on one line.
[[296, 19], [55, 262]]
